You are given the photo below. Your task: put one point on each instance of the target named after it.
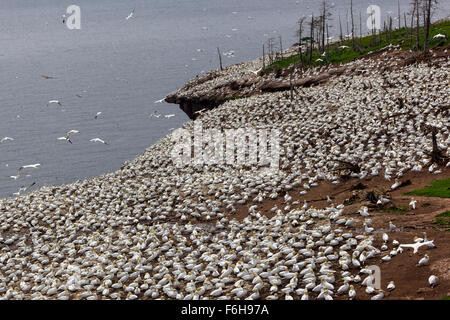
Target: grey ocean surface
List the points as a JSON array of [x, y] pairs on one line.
[[120, 67]]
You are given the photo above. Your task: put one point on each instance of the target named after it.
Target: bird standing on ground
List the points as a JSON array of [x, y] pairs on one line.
[[412, 204], [395, 185], [423, 261], [391, 226], [433, 281], [391, 286], [351, 293]]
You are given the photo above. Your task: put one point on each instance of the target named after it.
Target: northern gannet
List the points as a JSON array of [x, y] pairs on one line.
[[68, 134], [6, 139], [54, 102], [416, 245], [98, 140], [423, 261], [433, 281]]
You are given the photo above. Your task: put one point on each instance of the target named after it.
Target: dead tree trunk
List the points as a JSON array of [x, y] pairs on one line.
[[353, 25], [427, 27], [220, 58], [417, 25], [437, 155], [264, 59], [311, 40]]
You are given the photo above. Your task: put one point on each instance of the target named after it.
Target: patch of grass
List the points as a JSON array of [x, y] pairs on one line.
[[438, 188], [445, 298], [443, 220], [367, 44]]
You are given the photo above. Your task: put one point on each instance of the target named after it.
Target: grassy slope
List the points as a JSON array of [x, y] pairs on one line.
[[398, 37], [438, 188]]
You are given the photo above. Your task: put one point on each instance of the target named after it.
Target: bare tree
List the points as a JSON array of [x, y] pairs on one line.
[[428, 7], [360, 30], [340, 28], [328, 45], [311, 40], [264, 59], [353, 24], [399, 17], [281, 47], [417, 24], [220, 58], [346, 18], [412, 21], [325, 16], [300, 40]]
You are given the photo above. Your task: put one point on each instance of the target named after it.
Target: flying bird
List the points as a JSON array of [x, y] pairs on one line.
[[54, 102], [98, 113], [256, 71], [344, 47], [442, 36], [154, 114], [160, 101], [416, 245], [131, 15], [34, 166], [6, 139], [169, 116], [98, 140], [68, 134], [46, 77], [199, 112]]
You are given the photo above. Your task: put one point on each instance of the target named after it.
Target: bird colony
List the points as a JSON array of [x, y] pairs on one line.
[[152, 230]]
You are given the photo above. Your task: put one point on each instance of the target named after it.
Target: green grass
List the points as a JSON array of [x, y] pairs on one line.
[[438, 188], [443, 219], [445, 298], [366, 44]]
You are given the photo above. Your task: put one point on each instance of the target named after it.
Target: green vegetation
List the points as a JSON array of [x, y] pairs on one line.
[[369, 44], [443, 219], [438, 188], [445, 298]]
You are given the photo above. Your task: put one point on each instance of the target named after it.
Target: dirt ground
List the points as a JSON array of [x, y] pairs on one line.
[[411, 282]]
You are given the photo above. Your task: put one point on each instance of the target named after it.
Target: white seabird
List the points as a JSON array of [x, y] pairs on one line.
[[54, 102], [6, 139], [68, 134], [98, 140]]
